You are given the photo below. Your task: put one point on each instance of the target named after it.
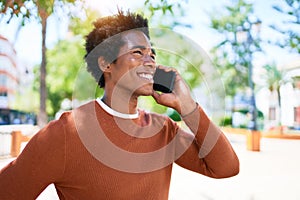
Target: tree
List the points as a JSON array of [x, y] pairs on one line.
[[165, 16], [64, 61], [273, 79], [168, 12], [182, 53], [290, 31], [233, 55], [41, 10]]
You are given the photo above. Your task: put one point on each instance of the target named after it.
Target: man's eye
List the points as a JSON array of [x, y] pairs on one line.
[[153, 57], [138, 52]]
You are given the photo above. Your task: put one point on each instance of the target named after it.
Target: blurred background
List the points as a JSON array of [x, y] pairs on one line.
[[240, 58], [252, 46]]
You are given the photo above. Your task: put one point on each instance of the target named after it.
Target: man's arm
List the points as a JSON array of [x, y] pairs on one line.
[[210, 153], [40, 164]]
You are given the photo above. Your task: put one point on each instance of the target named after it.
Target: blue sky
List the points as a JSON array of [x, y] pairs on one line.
[[28, 43]]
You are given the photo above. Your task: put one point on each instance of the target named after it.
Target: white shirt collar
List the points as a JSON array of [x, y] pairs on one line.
[[116, 113]]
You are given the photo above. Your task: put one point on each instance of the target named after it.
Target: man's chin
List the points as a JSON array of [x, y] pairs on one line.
[[149, 93], [144, 92]]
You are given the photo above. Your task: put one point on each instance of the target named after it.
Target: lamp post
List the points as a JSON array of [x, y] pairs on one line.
[[252, 108], [245, 36], [250, 46]]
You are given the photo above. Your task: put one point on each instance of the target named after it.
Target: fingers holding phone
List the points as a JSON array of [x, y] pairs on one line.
[[174, 91]]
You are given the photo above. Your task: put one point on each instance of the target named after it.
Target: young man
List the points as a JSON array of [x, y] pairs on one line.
[[108, 148]]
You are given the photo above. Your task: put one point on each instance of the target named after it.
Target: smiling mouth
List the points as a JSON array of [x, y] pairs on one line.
[[146, 76]]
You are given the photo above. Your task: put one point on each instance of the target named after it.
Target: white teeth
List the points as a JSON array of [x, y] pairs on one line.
[[146, 76]]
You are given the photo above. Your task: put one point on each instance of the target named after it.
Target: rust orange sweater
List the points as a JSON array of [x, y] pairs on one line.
[[134, 162]]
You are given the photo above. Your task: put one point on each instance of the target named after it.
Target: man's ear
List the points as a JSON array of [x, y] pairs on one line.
[[103, 64]]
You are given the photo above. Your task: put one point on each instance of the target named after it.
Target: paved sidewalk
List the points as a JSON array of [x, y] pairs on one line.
[[271, 174]]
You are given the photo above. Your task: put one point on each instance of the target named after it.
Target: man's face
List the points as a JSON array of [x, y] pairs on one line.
[[135, 66]]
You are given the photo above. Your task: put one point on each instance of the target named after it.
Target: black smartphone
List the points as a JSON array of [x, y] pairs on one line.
[[164, 81]]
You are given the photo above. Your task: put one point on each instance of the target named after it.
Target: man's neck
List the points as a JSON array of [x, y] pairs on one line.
[[121, 103]]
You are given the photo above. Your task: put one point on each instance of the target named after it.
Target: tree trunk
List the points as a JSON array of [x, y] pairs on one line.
[[42, 116], [279, 97]]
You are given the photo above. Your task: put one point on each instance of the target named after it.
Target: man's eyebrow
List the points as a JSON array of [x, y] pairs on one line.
[[143, 47]]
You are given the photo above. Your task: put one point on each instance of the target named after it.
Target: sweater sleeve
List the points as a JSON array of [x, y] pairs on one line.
[[41, 163], [210, 153]]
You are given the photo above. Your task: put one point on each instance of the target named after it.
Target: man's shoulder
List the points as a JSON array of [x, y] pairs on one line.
[[67, 117]]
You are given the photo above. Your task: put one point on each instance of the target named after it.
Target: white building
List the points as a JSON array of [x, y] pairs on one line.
[[9, 73]]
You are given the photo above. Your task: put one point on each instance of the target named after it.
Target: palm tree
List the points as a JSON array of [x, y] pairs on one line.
[[274, 79], [25, 10]]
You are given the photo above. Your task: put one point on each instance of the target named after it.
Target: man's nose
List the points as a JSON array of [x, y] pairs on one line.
[[149, 61]]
